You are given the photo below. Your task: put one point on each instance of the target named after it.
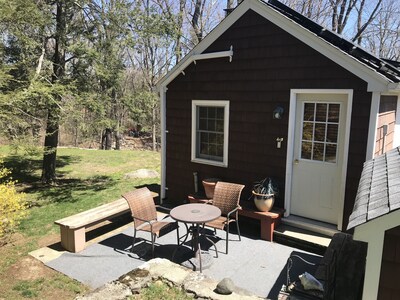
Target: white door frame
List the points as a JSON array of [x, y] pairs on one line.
[[290, 146]]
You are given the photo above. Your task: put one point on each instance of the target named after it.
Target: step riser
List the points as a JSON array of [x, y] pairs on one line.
[[310, 227]]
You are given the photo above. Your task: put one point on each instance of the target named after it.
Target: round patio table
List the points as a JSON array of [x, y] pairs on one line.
[[196, 214]]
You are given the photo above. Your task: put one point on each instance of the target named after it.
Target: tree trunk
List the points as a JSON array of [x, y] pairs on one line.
[[106, 141], [50, 147], [53, 109], [197, 27], [117, 140]]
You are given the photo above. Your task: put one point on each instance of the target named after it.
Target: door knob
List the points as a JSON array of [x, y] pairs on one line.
[[296, 161]]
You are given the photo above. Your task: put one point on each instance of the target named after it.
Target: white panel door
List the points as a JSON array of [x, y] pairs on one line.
[[318, 156]]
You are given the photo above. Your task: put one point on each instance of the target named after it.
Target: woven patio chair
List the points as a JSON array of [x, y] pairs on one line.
[[144, 216], [226, 198]]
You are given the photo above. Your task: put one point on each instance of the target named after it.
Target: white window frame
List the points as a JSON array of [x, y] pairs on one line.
[[208, 103]]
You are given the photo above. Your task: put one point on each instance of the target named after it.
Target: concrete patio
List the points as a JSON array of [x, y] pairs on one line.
[[253, 264]]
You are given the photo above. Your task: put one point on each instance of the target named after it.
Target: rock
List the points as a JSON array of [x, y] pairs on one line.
[[225, 287], [136, 279], [142, 173]]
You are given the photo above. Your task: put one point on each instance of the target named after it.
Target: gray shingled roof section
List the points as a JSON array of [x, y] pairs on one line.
[[379, 189]]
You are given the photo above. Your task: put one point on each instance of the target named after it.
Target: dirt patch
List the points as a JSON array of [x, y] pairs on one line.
[[29, 268], [49, 240]]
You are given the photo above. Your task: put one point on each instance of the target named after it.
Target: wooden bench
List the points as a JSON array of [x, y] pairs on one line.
[[268, 219], [73, 228]]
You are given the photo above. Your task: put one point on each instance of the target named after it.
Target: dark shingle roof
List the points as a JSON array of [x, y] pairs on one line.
[[379, 188], [389, 69]]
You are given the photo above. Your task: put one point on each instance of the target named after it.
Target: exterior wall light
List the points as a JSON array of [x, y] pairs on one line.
[[277, 113]]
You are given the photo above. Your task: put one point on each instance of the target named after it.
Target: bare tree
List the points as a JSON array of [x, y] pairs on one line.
[[361, 27], [383, 35]]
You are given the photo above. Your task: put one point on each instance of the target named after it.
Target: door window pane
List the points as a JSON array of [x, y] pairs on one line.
[[318, 151], [332, 133], [306, 150], [309, 111], [308, 131], [319, 134], [333, 115], [320, 114], [330, 153]]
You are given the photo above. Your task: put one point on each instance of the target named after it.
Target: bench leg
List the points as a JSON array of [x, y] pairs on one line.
[[267, 229], [73, 240]]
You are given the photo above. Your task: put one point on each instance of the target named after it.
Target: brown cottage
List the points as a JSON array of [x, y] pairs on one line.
[[270, 93]]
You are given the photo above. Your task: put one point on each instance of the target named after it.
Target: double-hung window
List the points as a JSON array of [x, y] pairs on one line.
[[210, 121]]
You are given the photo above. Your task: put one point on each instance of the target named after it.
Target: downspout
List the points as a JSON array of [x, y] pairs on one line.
[[373, 121], [163, 106]]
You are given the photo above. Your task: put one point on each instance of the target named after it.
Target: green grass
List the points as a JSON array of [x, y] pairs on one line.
[[29, 289], [34, 288], [85, 179], [160, 290]]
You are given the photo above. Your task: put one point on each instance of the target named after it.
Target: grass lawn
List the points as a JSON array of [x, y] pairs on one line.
[[86, 179]]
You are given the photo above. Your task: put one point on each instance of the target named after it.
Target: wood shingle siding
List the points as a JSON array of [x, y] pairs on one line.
[[267, 63]]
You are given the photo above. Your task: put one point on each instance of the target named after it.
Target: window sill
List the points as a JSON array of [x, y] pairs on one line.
[[210, 162]]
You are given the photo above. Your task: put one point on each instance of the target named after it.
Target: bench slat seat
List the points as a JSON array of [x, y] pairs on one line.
[[94, 215], [73, 228]]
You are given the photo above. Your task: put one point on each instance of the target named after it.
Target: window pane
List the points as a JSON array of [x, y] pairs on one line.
[[220, 113], [308, 131], [220, 150], [309, 111], [333, 115], [332, 133], [319, 134], [202, 111], [318, 151], [203, 137], [321, 112], [203, 124], [212, 138], [330, 153], [220, 139], [220, 126], [212, 112], [211, 125], [204, 148], [306, 150], [213, 149]]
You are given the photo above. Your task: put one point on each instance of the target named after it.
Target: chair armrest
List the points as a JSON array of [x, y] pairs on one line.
[[232, 211], [146, 222]]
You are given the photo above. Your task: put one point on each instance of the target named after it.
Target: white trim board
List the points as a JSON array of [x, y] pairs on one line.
[[290, 145]]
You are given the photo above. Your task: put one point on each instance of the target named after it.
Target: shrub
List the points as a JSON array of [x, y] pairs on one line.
[[12, 205]]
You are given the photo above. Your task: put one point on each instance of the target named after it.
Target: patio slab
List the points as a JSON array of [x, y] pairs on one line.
[[253, 264]]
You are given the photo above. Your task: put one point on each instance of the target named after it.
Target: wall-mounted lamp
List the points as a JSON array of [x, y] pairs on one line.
[[277, 113]]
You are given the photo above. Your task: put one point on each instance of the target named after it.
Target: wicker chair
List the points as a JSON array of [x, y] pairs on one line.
[[226, 198], [144, 216]]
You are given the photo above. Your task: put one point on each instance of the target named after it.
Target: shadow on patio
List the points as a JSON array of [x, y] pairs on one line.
[[253, 264]]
